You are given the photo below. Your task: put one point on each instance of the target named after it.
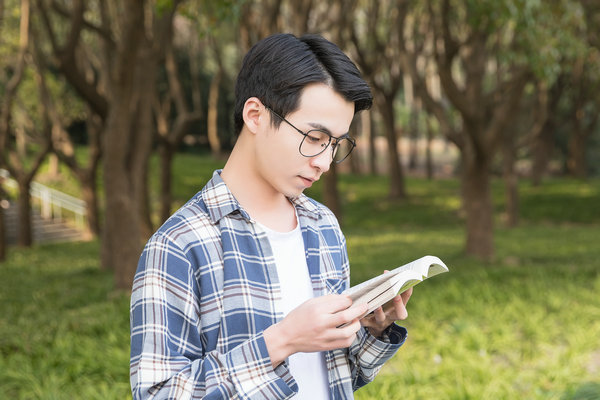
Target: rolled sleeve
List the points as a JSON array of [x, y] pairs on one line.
[[368, 353]]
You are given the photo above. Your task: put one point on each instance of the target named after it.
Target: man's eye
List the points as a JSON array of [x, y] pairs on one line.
[[318, 137]]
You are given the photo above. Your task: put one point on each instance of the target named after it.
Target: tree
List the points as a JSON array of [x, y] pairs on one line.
[[572, 118], [529, 123], [258, 20], [63, 147], [2, 224], [172, 130], [30, 136], [542, 140], [128, 135], [376, 43], [484, 53], [125, 44], [584, 116]]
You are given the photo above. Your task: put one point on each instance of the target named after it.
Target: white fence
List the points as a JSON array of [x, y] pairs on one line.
[[52, 202]]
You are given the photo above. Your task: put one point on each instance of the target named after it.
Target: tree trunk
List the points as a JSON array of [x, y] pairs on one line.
[[331, 197], [2, 235], [89, 175], [213, 110], [428, 152], [90, 196], [413, 150], [369, 126], [53, 166], [128, 139], [21, 142], [478, 206], [24, 235], [355, 132], [511, 182], [145, 86], [397, 189], [541, 152], [542, 129], [121, 237], [576, 162], [2, 224], [165, 152]]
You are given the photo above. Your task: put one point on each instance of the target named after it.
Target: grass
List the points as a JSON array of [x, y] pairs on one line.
[[524, 326], [63, 331]]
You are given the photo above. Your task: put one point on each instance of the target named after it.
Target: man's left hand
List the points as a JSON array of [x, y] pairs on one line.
[[380, 319]]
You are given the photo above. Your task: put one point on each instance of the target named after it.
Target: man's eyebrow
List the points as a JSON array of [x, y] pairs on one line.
[[320, 127]]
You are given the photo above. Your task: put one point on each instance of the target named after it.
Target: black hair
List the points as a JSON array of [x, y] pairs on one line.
[[277, 68]]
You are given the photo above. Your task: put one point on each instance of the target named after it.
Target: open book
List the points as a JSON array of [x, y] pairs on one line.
[[383, 288]]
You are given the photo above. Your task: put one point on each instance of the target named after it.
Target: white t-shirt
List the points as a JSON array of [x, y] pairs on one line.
[[308, 369]]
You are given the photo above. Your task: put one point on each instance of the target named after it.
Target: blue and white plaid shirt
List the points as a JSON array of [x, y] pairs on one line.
[[205, 290]]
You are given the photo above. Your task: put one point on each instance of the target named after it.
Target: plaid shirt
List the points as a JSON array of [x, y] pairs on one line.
[[206, 288]]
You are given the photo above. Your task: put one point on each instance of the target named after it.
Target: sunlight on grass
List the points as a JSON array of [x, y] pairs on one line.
[[64, 333]]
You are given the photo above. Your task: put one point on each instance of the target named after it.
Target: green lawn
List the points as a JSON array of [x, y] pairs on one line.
[[525, 326]]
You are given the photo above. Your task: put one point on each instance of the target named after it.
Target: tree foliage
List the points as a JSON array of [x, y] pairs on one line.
[[501, 78]]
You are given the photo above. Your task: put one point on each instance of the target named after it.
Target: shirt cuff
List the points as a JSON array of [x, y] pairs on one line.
[[253, 375], [394, 334], [377, 351]]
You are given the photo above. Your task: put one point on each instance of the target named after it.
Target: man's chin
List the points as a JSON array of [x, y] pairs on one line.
[[294, 193]]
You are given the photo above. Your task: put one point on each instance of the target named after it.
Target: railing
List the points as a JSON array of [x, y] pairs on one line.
[[52, 202]]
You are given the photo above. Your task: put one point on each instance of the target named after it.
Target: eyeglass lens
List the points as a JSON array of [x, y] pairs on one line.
[[316, 141]]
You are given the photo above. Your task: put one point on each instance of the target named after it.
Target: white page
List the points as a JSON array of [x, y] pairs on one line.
[[415, 271]]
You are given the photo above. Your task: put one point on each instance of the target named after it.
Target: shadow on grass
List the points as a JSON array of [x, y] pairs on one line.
[[587, 391]]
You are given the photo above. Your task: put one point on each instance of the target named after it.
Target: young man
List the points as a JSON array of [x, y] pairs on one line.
[[237, 294]]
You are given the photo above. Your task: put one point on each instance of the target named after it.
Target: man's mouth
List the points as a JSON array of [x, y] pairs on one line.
[[308, 181]]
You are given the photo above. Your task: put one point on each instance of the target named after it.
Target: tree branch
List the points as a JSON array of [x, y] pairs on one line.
[[100, 30], [444, 59], [14, 82], [66, 59], [175, 89], [503, 112], [408, 60]]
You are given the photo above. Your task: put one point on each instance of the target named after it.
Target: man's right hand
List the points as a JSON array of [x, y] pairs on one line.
[[313, 326]]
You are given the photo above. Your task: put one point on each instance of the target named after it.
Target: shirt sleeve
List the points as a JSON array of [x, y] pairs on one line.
[[367, 354], [168, 359]]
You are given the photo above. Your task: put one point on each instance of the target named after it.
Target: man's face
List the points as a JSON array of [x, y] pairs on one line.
[[278, 157]]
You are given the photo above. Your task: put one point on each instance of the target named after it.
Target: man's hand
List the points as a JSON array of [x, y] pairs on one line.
[[312, 326], [380, 319]]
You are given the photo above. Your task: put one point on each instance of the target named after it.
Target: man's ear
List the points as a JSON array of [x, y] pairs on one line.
[[252, 113]]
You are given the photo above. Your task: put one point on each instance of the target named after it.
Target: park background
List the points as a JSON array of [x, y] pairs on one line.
[[482, 147]]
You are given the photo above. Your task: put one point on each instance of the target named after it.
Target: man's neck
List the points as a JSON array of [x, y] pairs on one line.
[[264, 204]]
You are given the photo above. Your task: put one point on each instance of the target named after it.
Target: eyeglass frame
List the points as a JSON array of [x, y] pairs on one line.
[[306, 134]]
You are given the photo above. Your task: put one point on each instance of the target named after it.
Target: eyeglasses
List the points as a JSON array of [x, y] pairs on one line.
[[316, 141]]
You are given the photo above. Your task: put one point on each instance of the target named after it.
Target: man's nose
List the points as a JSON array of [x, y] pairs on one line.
[[322, 161]]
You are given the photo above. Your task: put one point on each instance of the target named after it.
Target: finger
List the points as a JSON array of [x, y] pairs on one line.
[[399, 308], [368, 320], [356, 311], [335, 302], [349, 330], [379, 315], [406, 295]]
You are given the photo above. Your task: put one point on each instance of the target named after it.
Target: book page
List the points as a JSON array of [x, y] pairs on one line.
[[400, 279], [428, 266]]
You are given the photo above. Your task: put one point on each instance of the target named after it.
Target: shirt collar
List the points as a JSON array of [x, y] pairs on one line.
[[220, 202]]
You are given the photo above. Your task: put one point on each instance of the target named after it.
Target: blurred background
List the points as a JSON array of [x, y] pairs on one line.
[[482, 147]]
